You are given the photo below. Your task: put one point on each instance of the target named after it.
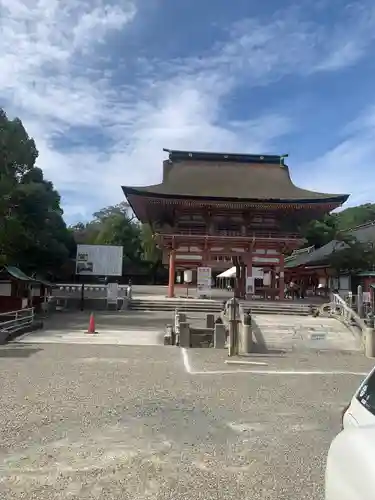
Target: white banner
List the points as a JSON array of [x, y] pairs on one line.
[[250, 285], [100, 260], [204, 280], [112, 292]]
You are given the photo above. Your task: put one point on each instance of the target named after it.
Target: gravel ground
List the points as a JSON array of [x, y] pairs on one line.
[[115, 422]]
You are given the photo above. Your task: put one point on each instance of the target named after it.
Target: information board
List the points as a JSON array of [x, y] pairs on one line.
[[99, 260]]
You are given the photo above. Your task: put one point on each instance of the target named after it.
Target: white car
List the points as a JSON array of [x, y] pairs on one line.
[[361, 410], [350, 470]]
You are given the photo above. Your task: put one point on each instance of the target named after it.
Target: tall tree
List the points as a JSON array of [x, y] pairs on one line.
[[116, 225], [150, 252], [33, 233], [113, 225]]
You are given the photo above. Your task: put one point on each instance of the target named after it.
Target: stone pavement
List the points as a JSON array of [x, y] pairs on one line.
[[117, 327], [147, 328], [298, 332], [124, 422]]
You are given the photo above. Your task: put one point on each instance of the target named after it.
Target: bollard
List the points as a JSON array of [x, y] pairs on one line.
[[369, 334], [185, 335], [168, 336], [233, 328], [219, 336], [360, 309], [246, 334], [210, 321], [233, 340]]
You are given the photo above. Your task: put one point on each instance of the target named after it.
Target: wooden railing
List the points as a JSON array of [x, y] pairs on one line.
[[236, 234]]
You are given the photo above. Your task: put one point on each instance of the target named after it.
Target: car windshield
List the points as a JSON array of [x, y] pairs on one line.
[[366, 395]]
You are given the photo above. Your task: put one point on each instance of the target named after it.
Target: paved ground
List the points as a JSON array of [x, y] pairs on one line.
[[278, 331], [125, 422], [119, 327]]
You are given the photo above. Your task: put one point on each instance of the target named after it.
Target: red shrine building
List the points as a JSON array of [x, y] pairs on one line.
[[215, 209]]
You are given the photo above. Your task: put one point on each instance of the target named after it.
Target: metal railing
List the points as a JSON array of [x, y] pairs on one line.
[[12, 322]]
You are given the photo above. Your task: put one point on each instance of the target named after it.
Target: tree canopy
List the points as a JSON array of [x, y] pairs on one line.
[[352, 257], [33, 234], [116, 225], [320, 232], [349, 254]]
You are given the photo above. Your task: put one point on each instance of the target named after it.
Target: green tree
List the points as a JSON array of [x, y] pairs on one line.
[[320, 232], [355, 216], [33, 234], [118, 229], [113, 225], [116, 225], [151, 254], [351, 255]]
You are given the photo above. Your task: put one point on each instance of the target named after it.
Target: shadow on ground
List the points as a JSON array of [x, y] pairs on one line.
[[117, 320], [19, 351]]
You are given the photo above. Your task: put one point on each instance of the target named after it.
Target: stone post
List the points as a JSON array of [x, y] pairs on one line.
[[168, 336], [246, 334], [178, 319], [210, 321], [369, 334], [219, 336], [233, 328], [360, 308], [185, 335]]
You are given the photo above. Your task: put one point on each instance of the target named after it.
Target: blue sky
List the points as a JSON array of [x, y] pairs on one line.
[[104, 85]]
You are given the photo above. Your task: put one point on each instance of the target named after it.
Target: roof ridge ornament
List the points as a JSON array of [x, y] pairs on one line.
[[211, 156], [282, 158]]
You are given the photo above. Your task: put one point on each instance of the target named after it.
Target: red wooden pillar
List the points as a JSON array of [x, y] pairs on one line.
[[281, 278], [172, 272]]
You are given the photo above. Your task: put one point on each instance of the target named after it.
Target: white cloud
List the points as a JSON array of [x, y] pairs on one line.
[[349, 166], [49, 77]]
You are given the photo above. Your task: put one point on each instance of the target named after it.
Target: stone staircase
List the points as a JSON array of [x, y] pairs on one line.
[[216, 306]]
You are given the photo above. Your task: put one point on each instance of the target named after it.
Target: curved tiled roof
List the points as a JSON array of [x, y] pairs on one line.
[[223, 177], [363, 234]]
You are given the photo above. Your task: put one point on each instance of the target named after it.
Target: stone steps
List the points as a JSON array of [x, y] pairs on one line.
[[189, 305], [216, 306]]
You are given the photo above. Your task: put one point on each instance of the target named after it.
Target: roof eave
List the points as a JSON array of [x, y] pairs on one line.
[[142, 192]]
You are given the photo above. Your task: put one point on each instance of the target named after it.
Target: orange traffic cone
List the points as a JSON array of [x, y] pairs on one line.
[[91, 328]]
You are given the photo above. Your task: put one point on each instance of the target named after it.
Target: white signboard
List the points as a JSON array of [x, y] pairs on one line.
[[100, 260], [112, 292], [188, 276], [367, 297], [249, 285], [204, 280]]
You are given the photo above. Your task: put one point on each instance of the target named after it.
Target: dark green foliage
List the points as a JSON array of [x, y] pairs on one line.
[[33, 234], [115, 225]]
